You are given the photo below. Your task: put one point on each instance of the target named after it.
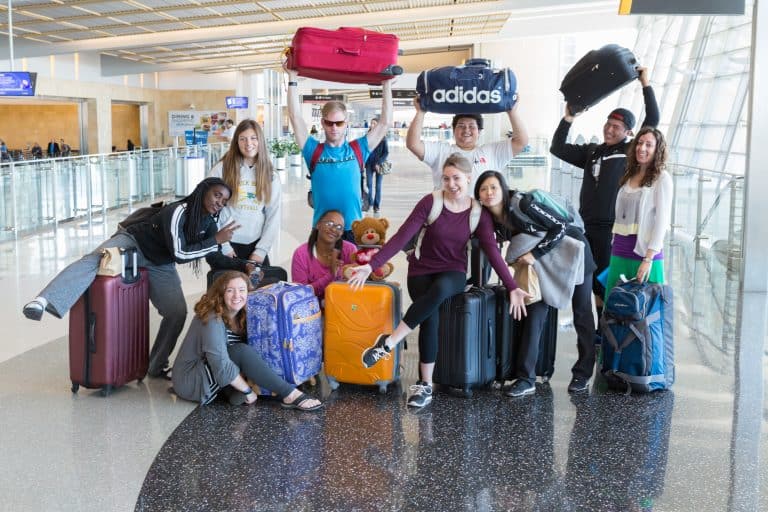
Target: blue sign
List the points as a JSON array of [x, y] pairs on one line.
[[17, 83], [189, 137], [237, 101]]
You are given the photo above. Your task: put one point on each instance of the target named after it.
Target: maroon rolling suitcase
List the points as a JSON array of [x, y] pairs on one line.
[[109, 330], [349, 55], [598, 74]]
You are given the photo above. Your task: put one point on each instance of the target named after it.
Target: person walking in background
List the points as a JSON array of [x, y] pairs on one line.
[[66, 149], [372, 169], [214, 355], [559, 251], [53, 148], [604, 165], [36, 151], [643, 212], [466, 134], [437, 271], [318, 262], [337, 177], [181, 232], [255, 205]]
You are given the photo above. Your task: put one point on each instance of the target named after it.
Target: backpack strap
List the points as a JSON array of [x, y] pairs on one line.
[[474, 215], [315, 157], [355, 145], [434, 213]]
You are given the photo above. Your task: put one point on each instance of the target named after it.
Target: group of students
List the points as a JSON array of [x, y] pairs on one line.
[[232, 218]]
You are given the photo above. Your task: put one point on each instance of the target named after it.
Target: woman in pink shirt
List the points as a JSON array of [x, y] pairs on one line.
[[319, 261]]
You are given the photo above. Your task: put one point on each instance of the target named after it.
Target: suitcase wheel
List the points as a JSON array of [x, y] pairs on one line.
[[75, 387], [394, 69], [106, 390], [466, 392], [333, 383], [382, 389]]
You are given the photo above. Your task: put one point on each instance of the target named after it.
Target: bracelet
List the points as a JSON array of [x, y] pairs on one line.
[[293, 84], [248, 391], [647, 260]]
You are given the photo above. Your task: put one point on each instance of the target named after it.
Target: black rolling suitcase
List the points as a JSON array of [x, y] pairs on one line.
[[504, 329], [545, 364], [466, 353], [598, 74]]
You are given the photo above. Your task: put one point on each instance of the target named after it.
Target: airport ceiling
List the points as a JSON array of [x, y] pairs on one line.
[[213, 36]]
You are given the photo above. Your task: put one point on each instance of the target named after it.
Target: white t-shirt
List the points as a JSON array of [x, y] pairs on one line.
[[490, 156]]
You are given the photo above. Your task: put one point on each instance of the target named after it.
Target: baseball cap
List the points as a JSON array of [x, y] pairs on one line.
[[623, 115]]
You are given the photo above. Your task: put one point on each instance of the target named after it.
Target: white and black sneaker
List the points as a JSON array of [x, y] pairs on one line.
[[421, 394], [520, 387], [379, 350]]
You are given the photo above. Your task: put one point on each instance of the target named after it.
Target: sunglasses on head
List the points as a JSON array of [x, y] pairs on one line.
[[339, 124]]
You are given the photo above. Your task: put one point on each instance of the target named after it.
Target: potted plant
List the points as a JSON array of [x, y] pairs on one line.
[[279, 149], [294, 153]]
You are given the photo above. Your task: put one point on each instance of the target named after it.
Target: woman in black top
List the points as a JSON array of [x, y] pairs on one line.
[[181, 232], [519, 213]]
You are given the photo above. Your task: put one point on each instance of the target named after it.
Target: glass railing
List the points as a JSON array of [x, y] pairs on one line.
[[702, 251], [39, 194]]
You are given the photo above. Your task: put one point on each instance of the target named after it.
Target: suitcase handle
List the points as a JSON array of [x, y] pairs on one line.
[[346, 51]]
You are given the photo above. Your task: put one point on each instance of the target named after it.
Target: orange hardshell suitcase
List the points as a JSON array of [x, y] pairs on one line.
[[353, 321]]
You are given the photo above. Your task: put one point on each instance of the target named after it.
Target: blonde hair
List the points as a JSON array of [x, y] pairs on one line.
[[334, 106], [459, 162]]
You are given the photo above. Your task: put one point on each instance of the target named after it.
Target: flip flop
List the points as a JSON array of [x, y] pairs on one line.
[[296, 403]]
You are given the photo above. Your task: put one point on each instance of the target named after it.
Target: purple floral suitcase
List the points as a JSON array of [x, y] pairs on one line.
[[284, 324]]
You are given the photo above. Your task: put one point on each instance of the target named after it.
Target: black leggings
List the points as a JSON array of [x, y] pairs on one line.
[[253, 367], [427, 293]]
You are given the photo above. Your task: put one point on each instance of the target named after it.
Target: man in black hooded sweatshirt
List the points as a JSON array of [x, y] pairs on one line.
[[604, 165]]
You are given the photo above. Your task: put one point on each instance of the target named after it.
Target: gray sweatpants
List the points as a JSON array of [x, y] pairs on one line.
[[164, 292]]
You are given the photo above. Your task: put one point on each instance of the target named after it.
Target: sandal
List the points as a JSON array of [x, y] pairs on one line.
[[299, 400]]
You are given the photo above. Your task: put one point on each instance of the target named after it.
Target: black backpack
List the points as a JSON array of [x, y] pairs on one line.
[[140, 215]]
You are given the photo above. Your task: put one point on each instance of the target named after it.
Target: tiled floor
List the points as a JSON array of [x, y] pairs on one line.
[[143, 449]]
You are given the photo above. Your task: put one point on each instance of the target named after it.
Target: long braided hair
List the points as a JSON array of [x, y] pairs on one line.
[[196, 213]]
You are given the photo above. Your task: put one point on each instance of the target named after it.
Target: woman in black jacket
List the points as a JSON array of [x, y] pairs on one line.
[[181, 232], [519, 213], [372, 167]]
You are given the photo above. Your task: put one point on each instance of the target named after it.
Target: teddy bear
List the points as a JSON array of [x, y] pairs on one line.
[[370, 234]]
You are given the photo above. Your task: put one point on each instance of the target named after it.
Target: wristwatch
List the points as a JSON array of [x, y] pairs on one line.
[[248, 392], [647, 260]]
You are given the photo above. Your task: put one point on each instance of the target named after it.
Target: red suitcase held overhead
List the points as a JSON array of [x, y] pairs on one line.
[[348, 55], [109, 330]]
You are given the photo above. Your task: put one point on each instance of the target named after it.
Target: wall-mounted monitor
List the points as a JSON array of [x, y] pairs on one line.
[[237, 101], [17, 83]]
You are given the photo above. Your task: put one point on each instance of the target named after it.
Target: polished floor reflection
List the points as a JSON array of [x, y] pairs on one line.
[[143, 449]]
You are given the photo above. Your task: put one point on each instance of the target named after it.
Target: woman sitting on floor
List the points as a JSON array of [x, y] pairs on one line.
[[319, 261], [214, 355]]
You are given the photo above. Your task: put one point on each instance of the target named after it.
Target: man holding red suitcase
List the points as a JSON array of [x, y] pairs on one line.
[[336, 165], [604, 165]]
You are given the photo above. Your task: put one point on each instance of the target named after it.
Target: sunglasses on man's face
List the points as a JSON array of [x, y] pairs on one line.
[[338, 124]]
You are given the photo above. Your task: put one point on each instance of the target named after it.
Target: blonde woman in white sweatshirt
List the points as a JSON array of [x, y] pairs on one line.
[[255, 202], [643, 211]]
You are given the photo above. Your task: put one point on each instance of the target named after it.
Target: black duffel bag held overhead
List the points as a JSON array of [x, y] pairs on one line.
[[598, 74], [474, 88]]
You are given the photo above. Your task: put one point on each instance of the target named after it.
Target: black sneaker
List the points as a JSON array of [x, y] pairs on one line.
[[578, 384], [379, 350], [421, 394], [33, 310], [520, 387]]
